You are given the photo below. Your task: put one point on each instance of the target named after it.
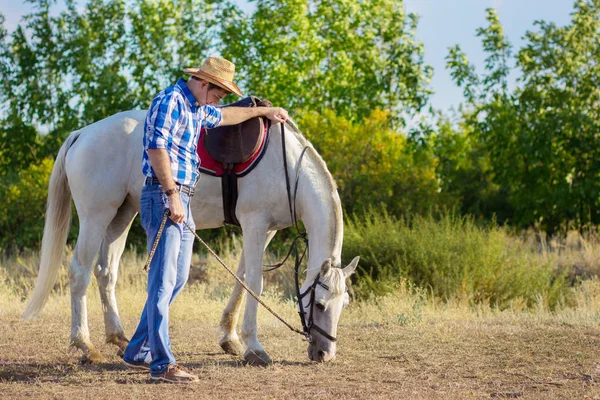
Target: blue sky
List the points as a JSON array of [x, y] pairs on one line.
[[442, 24]]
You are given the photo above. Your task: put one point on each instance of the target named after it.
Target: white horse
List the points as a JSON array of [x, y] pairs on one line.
[[99, 167]]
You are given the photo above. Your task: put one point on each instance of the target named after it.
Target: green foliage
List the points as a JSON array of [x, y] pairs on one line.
[[106, 56], [464, 173], [24, 203], [372, 164], [542, 138], [341, 55], [93, 62], [165, 37], [453, 258], [88, 63], [20, 146], [352, 72]]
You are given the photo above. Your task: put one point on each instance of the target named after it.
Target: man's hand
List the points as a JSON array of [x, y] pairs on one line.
[[237, 115], [176, 208], [277, 114]]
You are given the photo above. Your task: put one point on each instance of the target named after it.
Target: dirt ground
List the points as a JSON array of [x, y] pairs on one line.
[[432, 359]]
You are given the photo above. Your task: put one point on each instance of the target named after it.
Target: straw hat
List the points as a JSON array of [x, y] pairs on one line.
[[217, 71]]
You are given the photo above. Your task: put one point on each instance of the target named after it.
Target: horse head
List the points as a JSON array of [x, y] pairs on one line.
[[322, 304]]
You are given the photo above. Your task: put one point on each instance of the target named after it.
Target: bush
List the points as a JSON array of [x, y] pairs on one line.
[[24, 203], [373, 164], [452, 258]]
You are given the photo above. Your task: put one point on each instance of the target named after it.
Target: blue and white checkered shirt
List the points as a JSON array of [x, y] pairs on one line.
[[173, 123]]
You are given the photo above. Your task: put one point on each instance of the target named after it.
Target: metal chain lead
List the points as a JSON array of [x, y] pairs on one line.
[[157, 239], [244, 284]]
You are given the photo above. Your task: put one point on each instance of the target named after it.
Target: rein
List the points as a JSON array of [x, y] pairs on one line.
[[155, 244], [306, 326]]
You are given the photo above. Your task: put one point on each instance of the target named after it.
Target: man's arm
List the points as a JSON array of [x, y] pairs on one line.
[[161, 164], [236, 115]]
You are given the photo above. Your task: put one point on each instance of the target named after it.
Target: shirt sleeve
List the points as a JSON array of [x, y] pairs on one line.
[[211, 116], [164, 121]]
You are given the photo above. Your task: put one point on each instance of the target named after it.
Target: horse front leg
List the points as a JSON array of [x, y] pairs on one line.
[[255, 236], [230, 342]]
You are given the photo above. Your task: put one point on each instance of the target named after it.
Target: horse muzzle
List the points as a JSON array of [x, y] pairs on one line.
[[319, 354]]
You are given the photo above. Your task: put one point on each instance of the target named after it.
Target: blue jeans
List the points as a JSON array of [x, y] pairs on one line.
[[168, 274]]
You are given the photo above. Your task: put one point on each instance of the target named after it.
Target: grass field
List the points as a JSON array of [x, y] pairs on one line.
[[402, 346]]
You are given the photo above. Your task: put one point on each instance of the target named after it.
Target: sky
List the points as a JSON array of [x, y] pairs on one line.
[[442, 24]]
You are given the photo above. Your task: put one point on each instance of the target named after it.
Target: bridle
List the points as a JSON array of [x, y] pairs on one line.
[[307, 326]]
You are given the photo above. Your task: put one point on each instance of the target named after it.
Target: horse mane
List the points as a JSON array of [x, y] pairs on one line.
[[316, 156]]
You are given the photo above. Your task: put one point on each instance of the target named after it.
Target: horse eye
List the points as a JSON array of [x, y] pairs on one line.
[[320, 306]]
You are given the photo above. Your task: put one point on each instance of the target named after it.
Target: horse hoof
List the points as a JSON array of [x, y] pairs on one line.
[[122, 345], [233, 347], [118, 340], [257, 358], [93, 357]]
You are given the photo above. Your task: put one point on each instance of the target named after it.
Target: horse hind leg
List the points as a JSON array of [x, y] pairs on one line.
[[80, 270], [230, 342], [106, 272]]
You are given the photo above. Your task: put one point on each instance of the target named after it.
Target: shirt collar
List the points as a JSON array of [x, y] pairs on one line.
[[187, 93]]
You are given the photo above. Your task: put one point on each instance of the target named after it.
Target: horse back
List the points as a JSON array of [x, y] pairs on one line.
[[104, 163]]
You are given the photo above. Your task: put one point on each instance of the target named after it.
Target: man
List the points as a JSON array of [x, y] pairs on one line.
[[170, 164]]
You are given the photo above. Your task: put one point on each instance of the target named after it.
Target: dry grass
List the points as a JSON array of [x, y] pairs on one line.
[[403, 346]]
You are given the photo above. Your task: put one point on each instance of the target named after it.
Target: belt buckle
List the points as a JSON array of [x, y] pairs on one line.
[[187, 190]]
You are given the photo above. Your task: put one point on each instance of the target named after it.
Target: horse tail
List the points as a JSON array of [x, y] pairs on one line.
[[56, 229]]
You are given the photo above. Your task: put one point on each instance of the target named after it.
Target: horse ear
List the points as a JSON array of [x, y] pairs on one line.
[[350, 268], [325, 267]]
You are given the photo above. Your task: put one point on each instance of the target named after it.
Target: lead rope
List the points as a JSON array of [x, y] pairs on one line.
[[244, 284], [157, 240]]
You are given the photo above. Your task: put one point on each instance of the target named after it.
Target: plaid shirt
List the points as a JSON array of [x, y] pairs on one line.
[[173, 123]]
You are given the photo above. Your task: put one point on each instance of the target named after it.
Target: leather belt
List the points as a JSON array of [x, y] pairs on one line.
[[182, 188]]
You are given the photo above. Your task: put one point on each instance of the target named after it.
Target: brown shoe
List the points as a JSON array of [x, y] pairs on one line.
[[140, 367], [175, 374]]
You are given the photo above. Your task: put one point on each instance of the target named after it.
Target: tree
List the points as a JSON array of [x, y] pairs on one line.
[[342, 55], [464, 173], [22, 216], [165, 37], [62, 71], [88, 64], [543, 136]]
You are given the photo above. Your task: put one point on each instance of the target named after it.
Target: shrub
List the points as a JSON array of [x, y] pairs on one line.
[[374, 164], [451, 257], [24, 202]]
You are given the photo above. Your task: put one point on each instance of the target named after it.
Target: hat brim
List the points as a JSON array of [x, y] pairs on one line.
[[226, 85]]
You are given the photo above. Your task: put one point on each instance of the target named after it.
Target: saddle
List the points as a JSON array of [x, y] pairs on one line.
[[234, 145], [237, 143]]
